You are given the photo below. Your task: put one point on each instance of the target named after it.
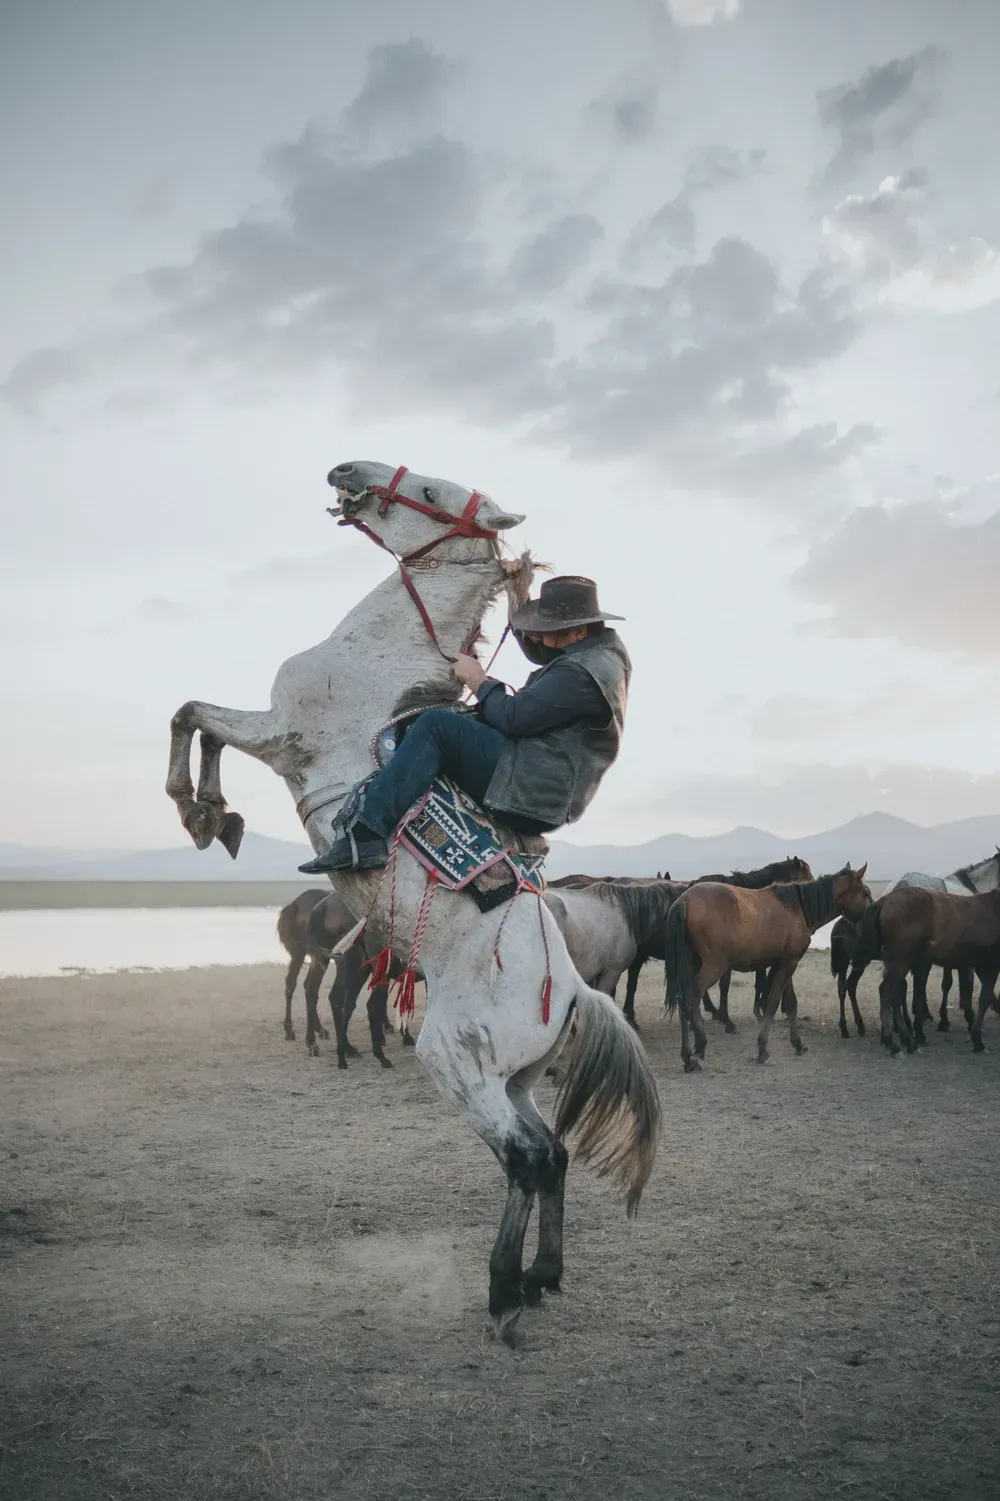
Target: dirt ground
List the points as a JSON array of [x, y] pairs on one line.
[[229, 1272]]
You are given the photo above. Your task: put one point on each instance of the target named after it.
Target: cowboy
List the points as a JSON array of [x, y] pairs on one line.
[[533, 758]]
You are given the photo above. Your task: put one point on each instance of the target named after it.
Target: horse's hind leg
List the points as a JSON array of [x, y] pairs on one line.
[[759, 992], [921, 1010], [947, 975], [857, 970], [777, 976], [295, 964], [317, 969], [966, 984], [545, 1273], [724, 983], [790, 1003], [343, 998], [987, 980], [631, 986], [710, 1007], [378, 1004]]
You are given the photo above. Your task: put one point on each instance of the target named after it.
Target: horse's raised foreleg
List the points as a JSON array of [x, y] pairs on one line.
[[776, 981], [206, 817]]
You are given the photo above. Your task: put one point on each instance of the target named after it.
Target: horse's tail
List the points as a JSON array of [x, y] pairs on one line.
[[286, 928], [680, 960], [608, 1096], [869, 940]]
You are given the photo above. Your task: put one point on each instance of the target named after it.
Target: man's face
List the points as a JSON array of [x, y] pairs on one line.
[[555, 639]]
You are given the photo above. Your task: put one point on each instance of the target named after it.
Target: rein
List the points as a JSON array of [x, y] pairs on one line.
[[458, 526]]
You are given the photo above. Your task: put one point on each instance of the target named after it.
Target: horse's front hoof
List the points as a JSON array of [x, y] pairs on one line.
[[383, 1060], [630, 1018], [861, 1029], [800, 1048], [692, 1066], [762, 1055], [978, 1045], [844, 1030], [730, 1027], [289, 1034], [349, 1049], [199, 820], [322, 1032], [230, 834], [944, 1025], [341, 1061]]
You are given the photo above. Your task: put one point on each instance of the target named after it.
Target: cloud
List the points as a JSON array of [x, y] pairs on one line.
[[407, 269], [883, 109], [800, 798], [160, 611], [42, 372], [669, 232], [791, 718], [628, 110], [916, 573], [702, 12], [883, 239]]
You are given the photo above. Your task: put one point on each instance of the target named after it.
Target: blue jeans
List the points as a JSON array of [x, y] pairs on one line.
[[439, 743]]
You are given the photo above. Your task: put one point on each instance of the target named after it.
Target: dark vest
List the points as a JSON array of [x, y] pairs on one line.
[[553, 777]]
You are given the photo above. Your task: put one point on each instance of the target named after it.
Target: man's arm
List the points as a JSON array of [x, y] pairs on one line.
[[564, 694]]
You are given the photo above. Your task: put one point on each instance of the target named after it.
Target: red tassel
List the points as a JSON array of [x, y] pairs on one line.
[[546, 999], [496, 955], [405, 997], [380, 967]]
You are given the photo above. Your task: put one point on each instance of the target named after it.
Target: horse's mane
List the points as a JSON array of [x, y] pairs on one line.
[[643, 907], [426, 695], [964, 872], [753, 880], [813, 898]]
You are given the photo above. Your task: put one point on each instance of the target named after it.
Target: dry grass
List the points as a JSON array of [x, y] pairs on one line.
[[231, 1272]]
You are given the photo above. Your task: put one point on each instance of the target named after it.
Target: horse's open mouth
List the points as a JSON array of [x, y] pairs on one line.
[[348, 504]]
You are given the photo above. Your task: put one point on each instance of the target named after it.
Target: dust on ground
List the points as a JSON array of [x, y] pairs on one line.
[[230, 1272]]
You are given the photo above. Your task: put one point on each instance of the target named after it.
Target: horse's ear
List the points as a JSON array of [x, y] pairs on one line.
[[861, 873], [489, 514]]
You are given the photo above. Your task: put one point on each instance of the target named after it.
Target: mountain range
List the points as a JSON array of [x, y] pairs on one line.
[[890, 845]]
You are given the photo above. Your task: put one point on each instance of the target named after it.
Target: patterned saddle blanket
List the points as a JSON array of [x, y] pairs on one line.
[[451, 835]]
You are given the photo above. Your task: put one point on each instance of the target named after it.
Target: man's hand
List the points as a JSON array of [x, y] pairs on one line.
[[469, 672], [511, 566]]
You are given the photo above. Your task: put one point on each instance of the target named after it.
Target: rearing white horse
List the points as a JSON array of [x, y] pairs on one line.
[[484, 1038]]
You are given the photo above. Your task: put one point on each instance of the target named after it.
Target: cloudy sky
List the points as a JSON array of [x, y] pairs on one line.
[[710, 289]]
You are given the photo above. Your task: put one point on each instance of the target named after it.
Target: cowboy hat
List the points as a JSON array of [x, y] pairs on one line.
[[562, 603]]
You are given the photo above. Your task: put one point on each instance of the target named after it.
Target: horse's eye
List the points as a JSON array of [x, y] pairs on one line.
[[429, 495]]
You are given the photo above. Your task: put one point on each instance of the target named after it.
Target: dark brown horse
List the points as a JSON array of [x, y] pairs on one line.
[[712, 928], [912, 928], [310, 927], [293, 925], [847, 967], [789, 869]]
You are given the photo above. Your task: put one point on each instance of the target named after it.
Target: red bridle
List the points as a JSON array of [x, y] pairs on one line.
[[458, 526]]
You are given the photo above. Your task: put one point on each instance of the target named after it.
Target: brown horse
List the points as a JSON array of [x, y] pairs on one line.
[[712, 928], [310, 927], [293, 925], [792, 868], [912, 927]]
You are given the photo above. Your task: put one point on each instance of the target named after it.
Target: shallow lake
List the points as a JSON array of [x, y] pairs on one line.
[[52, 941]]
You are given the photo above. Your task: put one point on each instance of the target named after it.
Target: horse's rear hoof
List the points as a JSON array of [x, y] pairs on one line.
[[341, 1061], [861, 1029], [289, 1034], [322, 1032], [630, 1018], [844, 1030], [763, 1056], [692, 1066], [730, 1027], [350, 1051], [978, 1045], [800, 1048], [944, 1025], [383, 1060], [312, 1049], [408, 1041]]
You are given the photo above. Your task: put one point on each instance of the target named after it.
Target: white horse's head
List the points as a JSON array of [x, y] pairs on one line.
[[376, 496]]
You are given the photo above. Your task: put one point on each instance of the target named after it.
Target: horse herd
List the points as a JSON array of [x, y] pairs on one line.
[[760, 921]]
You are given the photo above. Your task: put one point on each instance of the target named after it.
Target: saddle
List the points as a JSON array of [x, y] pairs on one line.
[[467, 849]]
